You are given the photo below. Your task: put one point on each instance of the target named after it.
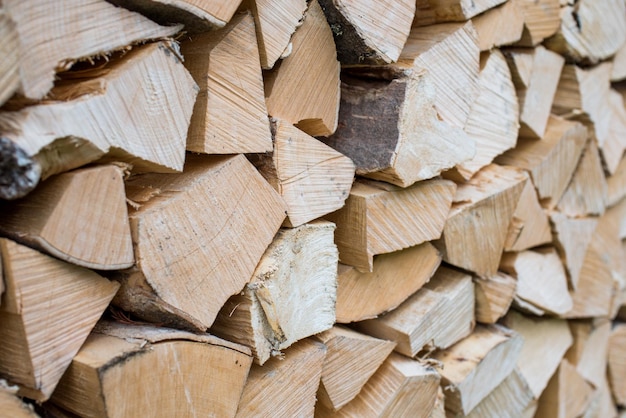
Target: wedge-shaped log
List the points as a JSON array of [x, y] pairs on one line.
[[116, 109], [567, 394], [351, 359], [551, 161], [616, 184], [476, 365], [588, 354], [291, 295], [619, 65], [541, 20], [12, 405], [502, 25], [79, 216], [530, 226], [391, 392], [230, 116], [312, 178], [603, 404], [477, 225], [9, 58], [379, 218], [286, 386], [433, 11], [493, 297], [304, 89], [394, 277], [107, 376], [197, 237], [439, 410], [436, 317], [617, 363], [48, 309], [369, 34]]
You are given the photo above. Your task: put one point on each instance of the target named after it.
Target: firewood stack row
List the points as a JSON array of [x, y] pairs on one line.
[[328, 208]]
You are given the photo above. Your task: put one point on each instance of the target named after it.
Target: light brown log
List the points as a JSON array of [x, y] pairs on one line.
[[291, 295], [312, 178], [79, 216], [477, 225], [394, 278], [351, 359], [541, 20], [9, 57], [131, 370], [286, 386], [11, 405], [589, 352], [619, 64], [304, 89], [435, 317], [118, 109], [433, 11], [230, 116], [493, 297], [391, 392], [551, 161], [617, 363], [379, 218], [502, 25], [197, 237], [475, 366], [48, 310], [369, 33], [439, 410], [567, 395], [618, 214], [605, 404], [616, 184], [530, 226]]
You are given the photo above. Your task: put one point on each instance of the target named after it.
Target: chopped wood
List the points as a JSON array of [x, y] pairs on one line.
[[285, 386], [304, 89], [617, 363], [312, 178], [502, 25], [391, 392], [394, 277], [79, 216], [11, 405], [477, 225], [379, 218], [589, 351], [530, 226], [48, 309], [351, 359], [291, 295], [105, 378], [197, 237], [111, 110], [567, 394], [541, 20], [493, 297], [476, 365], [616, 184], [9, 57], [230, 116], [439, 410], [605, 403], [435, 317], [618, 214], [369, 33], [433, 11], [619, 64]]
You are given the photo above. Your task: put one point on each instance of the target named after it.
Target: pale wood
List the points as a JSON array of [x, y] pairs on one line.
[[590, 349], [53, 38], [291, 295], [11, 405], [552, 161], [285, 386], [230, 116], [115, 109], [369, 33], [48, 310], [477, 225], [379, 218], [9, 57], [304, 89], [312, 178], [435, 317], [617, 363], [502, 25], [541, 20], [567, 395], [439, 410], [619, 64], [197, 237], [606, 404], [616, 184], [79, 216], [530, 226], [394, 277], [535, 74], [130, 370], [475, 366], [433, 11], [391, 392], [618, 214], [493, 297], [351, 359]]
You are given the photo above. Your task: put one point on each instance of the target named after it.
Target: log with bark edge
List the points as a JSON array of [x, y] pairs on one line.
[[493, 297], [9, 58], [502, 25], [541, 20], [530, 226], [434, 11], [617, 363], [567, 394]]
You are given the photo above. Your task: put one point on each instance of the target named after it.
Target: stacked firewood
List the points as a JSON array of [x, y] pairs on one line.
[[323, 208]]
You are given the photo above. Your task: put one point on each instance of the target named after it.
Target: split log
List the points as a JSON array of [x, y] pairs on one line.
[[617, 363], [9, 58], [369, 34], [351, 359], [589, 352], [439, 410], [394, 277], [291, 294], [541, 20], [475, 366], [197, 237], [111, 110], [477, 225], [436, 317], [535, 74], [604, 403], [285, 386], [12, 405], [390, 392], [79, 216], [619, 64], [47, 312], [379, 218], [304, 89], [434, 11], [502, 25], [618, 215], [230, 116], [493, 297], [53, 38], [616, 184], [312, 178], [567, 394], [530, 226], [107, 376]]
